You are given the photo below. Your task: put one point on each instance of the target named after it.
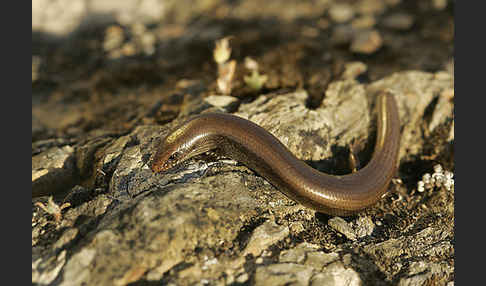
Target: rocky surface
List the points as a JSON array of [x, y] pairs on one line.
[[213, 221]]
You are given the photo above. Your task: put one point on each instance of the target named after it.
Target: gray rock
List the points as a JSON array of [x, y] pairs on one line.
[[264, 236], [363, 226], [322, 268], [46, 269], [53, 170], [342, 226], [309, 134], [283, 274], [77, 269], [420, 273], [191, 227], [320, 260], [444, 108], [297, 254], [336, 274], [429, 242]]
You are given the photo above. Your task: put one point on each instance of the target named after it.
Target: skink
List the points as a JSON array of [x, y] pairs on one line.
[[250, 144]]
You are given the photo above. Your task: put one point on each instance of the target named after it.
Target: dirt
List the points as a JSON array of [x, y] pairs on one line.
[[85, 93]]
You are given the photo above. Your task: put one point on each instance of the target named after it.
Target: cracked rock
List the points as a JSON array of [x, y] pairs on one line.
[[189, 227]]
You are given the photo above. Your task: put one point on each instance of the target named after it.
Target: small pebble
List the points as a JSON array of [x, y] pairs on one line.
[[242, 278], [399, 21], [114, 37], [341, 13], [341, 226], [439, 4], [367, 42], [420, 187], [251, 64], [448, 175], [354, 69], [438, 168], [448, 184], [364, 22], [439, 178]]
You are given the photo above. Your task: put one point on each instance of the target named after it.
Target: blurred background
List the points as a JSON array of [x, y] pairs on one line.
[[112, 64]]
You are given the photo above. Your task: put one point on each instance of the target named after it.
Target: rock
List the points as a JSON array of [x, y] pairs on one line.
[[320, 260], [399, 21], [62, 18], [366, 42], [283, 274], [53, 170], [341, 13], [242, 278], [225, 102], [414, 92], [363, 226], [67, 236], [359, 228], [309, 255], [439, 4], [114, 38], [323, 268], [341, 226], [265, 235], [353, 70], [336, 274], [420, 273], [364, 22], [429, 242], [443, 110], [297, 254], [296, 227], [77, 268], [194, 226], [309, 134], [46, 269], [57, 17]]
